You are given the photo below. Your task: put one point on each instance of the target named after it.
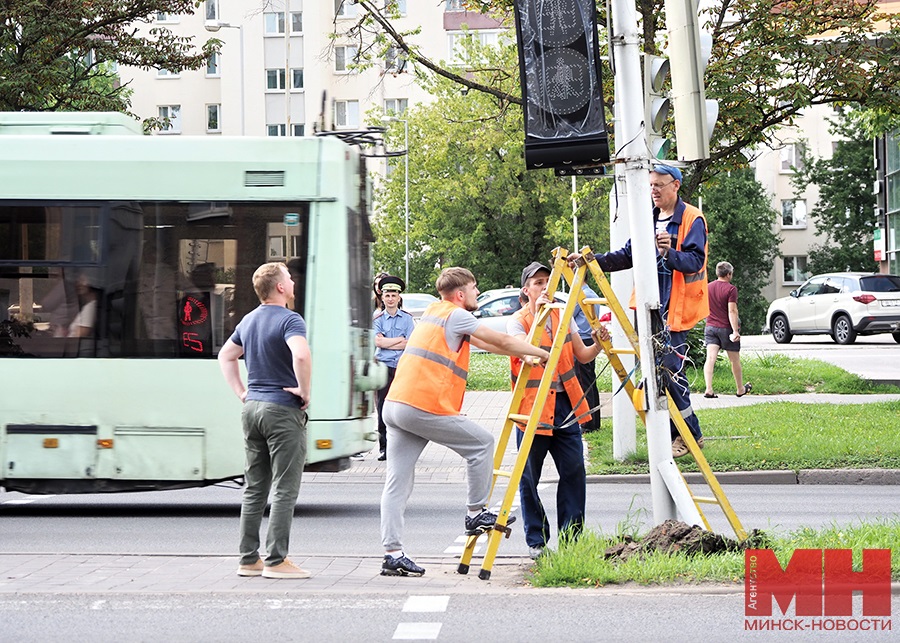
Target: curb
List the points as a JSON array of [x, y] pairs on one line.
[[804, 476]]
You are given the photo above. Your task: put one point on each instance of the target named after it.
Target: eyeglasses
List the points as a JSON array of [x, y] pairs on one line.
[[660, 186]]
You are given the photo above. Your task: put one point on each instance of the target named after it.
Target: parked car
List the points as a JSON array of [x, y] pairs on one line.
[[841, 304], [415, 303], [495, 307]]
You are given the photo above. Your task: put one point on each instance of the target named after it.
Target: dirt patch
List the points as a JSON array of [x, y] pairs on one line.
[[674, 536]]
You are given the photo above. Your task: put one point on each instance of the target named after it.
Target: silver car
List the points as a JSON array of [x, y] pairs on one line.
[[840, 304]]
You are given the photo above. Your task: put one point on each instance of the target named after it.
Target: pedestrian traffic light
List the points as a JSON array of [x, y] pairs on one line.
[[656, 105], [562, 92], [695, 116]]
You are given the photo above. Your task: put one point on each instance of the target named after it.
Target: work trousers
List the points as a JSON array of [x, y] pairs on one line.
[[409, 430], [379, 401], [275, 444], [565, 447], [677, 384]]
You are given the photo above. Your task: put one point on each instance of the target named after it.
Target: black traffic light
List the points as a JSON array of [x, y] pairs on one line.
[[562, 92]]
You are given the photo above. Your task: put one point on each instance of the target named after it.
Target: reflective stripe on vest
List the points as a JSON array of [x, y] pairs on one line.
[[565, 377], [430, 376]]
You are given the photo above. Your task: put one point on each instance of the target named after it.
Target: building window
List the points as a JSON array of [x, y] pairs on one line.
[[165, 16], [171, 117], [275, 79], [296, 22], [274, 23], [793, 213], [166, 73], [212, 65], [455, 5], [344, 9], [278, 129], [795, 270], [456, 42], [394, 60], [296, 79], [212, 9], [792, 158], [395, 5], [346, 113], [212, 117], [344, 56], [395, 106]]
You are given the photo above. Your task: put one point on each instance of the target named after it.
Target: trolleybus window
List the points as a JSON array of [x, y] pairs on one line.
[[137, 279]]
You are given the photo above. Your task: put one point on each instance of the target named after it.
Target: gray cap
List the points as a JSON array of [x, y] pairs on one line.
[[532, 269]]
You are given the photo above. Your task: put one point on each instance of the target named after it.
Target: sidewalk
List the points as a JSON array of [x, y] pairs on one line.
[[117, 573]]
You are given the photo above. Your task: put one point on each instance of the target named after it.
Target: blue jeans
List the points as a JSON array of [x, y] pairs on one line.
[[275, 444], [677, 384], [565, 447]]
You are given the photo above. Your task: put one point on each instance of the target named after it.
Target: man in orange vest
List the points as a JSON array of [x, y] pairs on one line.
[[681, 242], [558, 432], [424, 406]]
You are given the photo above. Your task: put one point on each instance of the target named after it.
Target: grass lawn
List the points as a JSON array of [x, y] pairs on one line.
[[581, 563], [779, 435]]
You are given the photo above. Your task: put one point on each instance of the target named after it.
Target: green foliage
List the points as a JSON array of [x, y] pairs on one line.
[[471, 201], [58, 56], [843, 213], [740, 220]]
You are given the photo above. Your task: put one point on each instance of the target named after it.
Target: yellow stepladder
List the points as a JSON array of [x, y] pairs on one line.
[[575, 279], [609, 299]]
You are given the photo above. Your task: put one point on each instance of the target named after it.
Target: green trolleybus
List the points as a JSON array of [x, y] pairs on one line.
[[126, 262]]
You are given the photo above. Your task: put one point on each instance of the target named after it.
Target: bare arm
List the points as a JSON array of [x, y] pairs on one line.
[[734, 319], [302, 361], [502, 344], [228, 364]]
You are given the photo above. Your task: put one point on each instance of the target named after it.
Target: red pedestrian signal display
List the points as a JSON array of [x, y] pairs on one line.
[[194, 326]]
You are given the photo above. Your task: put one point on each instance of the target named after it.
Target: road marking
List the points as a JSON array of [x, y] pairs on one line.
[[98, 604], [417, 631], [426, 604], [27, 499]]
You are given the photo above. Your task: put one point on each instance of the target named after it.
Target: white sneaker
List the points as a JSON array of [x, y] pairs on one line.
[[535, 552]]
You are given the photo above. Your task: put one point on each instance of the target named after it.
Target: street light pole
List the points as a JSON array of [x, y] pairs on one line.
[[394, 119], [213, 26]]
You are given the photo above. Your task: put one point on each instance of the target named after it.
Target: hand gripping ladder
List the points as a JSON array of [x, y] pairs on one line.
[[575, 279]]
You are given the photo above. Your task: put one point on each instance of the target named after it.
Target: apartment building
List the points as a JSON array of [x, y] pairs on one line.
[[280, 73]]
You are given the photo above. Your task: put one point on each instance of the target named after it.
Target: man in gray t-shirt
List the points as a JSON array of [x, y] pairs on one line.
[[272, 341]]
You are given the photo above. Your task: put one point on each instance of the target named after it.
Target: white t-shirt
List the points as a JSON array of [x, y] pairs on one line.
[[85, 318]]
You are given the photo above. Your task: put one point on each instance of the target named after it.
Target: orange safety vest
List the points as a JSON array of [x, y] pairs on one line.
[[689, 299], [565, 373], [430, 376]]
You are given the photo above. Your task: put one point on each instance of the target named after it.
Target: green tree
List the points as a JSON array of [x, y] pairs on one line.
[[740, 220], [846, 200], [471, 201], [57, 55]]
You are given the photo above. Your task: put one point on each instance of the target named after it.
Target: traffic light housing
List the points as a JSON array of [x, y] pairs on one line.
[[689, 51], [562, 91], [656, 105]]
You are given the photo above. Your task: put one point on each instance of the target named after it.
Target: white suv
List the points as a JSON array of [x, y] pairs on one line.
[[841, 304]]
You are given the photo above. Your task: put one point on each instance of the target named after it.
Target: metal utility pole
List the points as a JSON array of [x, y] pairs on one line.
[[668, 489]]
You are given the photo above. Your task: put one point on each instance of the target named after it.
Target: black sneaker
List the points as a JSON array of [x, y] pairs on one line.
[[402, 566], [483, 522]]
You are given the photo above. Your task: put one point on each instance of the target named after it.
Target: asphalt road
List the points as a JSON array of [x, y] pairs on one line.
[[342, 519]]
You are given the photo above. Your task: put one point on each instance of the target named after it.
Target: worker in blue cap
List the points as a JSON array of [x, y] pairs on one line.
[[681, 253]]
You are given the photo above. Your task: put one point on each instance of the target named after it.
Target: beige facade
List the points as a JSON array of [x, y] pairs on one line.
[[268, 82], [794, 223]]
